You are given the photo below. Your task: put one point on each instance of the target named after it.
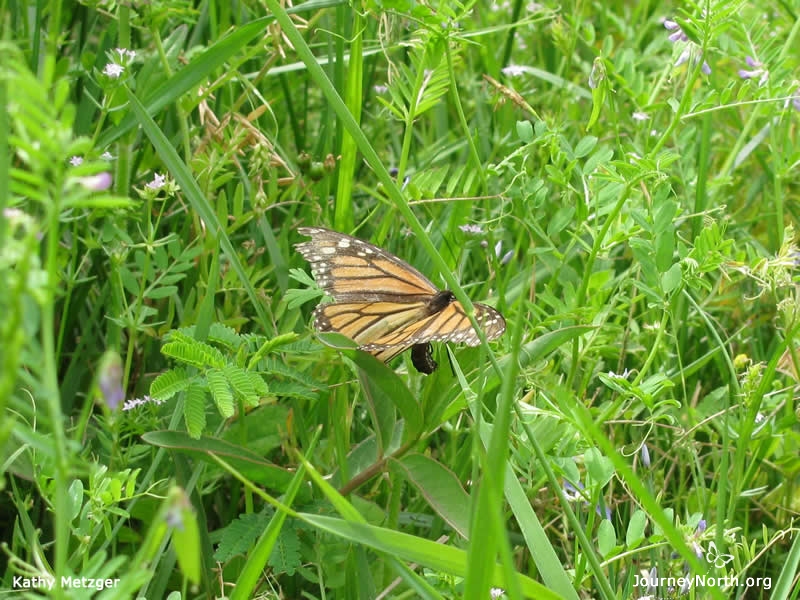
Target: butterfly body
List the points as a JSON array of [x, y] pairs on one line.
[[384, 304]]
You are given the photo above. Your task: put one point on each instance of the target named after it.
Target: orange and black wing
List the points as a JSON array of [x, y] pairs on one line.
[[385, 329], [450, 324], [366, 322], [384, 304], [352, 270]]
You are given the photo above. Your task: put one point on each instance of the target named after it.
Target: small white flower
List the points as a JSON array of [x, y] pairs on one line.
[[158, 182], [136, 402], [76, 161], [113, 70], [640, 116], [514, 70], [125, 54]]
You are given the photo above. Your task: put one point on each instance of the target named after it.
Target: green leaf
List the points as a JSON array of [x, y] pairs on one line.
[[525, 131], [434, 556], [606, 538], [169, 383], [220, 392], [259, 385], [585, 146], [197, 354], [635, 533], [671, 280], [665, 249], [440, 488], [381, 383], [249, 463], [75, 495], [157, 293], [242, 383], [285, 557], [194, 410], [599, 467], [185, 534], [224, 336], [239, 535]]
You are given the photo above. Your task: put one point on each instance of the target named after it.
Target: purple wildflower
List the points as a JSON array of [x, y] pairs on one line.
[[754, 71], [97, 183], [109, 379], [600, 513], [572, 492], [701, 526], [691, 50], [677, 34], [698, 550], [506, 258]]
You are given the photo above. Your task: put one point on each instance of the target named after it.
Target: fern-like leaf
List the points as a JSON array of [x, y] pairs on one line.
[[241, 383], [194, 410], [197, 354], [169, 383], [220, 392], [225, 336], [240, 535], [258, 383], [285, 557]]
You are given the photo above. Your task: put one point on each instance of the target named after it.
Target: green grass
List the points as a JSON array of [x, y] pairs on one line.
[[633, 202]]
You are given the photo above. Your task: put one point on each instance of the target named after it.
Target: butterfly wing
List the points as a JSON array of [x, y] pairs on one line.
[[384, 304], [447, 325], [352, 270], [365, 322]]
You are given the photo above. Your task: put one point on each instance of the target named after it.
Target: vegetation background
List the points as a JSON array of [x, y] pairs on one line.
[[619, 179]]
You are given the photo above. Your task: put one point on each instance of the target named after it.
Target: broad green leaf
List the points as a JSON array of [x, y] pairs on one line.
[[440, 487], [635, 533]]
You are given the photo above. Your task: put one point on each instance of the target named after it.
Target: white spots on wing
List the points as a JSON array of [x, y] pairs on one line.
[[323, 249]]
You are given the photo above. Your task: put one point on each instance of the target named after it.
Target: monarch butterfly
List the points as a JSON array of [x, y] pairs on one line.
[[384, 304]]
